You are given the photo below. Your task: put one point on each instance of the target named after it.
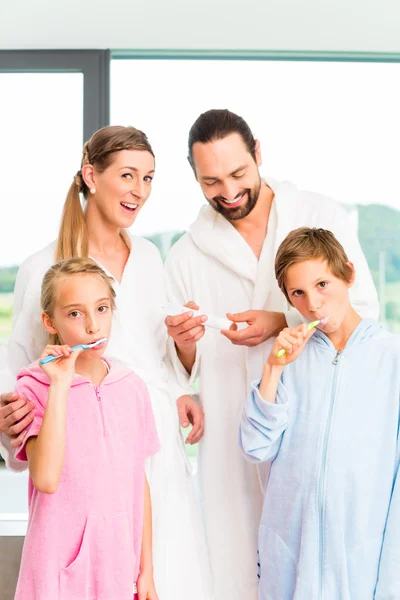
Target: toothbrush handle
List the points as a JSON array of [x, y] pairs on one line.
[[50, 358], [310, 326], [281, 352]]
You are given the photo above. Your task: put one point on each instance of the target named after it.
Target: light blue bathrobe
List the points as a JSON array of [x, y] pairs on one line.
[[330, 528]]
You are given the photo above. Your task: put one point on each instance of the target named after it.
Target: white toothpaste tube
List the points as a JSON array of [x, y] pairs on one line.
[[172, 309]]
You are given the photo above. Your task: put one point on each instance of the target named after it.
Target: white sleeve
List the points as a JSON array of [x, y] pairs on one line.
[[27, 340], [177, 387], [363, 295], [179, 293]]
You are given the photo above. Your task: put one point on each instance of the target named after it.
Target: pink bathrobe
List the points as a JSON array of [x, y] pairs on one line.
[[83, 542]]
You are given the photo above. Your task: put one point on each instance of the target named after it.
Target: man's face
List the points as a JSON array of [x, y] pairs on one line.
[[228, 175]]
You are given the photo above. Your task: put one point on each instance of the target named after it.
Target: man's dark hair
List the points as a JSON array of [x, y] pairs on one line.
[[216, 124]]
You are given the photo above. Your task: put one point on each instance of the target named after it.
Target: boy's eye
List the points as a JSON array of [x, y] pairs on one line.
[[74, 314], [323, 284], [102, 308], [297, 293]]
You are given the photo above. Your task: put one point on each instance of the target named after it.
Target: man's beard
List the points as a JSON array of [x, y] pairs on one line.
[[241, 211]]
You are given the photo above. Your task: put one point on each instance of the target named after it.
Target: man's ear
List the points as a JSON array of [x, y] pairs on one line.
[[353, 274], [257, 151], [48, 323]]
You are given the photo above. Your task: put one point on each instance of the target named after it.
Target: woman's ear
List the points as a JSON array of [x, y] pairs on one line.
[[88, 175], [48, 324], [350, 283]]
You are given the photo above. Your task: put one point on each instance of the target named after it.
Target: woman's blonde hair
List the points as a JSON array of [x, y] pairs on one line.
[[98, 151], [309, 244], [71, 266]]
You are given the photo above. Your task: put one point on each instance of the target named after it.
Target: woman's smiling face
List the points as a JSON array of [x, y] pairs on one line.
[[123, 187]]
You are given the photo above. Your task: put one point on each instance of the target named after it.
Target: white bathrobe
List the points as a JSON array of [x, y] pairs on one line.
[[139, 340], [214, 266]]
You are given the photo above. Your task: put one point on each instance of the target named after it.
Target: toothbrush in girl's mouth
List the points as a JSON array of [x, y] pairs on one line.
[[310, 326], [48, 359]]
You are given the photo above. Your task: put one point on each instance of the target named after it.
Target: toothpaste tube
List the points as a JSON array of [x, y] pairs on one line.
[[172, 309]]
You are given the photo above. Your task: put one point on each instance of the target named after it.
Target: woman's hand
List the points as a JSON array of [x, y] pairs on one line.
[[16, 414], [61, 370], [191, 413], [293, 340]]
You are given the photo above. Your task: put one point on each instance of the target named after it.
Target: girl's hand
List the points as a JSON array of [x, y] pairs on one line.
[[63, 369], [293, 340], [145, 587]]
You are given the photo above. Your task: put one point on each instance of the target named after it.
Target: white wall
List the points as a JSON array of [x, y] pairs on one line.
[[337, 25]]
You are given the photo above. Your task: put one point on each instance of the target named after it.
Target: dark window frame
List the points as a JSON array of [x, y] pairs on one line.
[[93, 64]]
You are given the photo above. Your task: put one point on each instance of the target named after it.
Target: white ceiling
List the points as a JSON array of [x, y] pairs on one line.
[[338, 25]]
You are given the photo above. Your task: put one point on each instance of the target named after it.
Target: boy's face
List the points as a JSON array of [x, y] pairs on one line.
[[82, 312], [317, 293]]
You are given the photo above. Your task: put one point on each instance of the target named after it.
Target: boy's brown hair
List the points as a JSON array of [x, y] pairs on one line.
[[310, 244]]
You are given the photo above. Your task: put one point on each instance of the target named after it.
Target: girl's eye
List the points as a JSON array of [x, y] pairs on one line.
[[297, 293], [323, 284], [74, 314], [102, 309]]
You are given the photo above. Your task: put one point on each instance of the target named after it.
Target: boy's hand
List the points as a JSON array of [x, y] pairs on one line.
[[61, 370], [145, 587], [293, 340]]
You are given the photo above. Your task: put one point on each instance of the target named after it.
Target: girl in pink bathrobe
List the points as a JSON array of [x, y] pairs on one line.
[[89, 531]]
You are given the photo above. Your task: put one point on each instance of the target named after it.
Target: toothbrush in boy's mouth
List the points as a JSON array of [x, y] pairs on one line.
[[48, 359], [310, 326]]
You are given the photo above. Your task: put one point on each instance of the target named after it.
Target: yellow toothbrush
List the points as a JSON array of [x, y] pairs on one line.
[[310, 326]]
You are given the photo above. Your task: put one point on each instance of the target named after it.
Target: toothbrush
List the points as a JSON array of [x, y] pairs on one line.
[[48, 359], [310, 326], [172, 309]]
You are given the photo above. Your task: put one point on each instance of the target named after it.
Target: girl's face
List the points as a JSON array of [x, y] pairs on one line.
[[82, 312], [123, 188], [317, 293]]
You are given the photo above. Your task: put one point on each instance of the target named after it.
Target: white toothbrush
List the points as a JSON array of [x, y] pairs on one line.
[[48, 359]]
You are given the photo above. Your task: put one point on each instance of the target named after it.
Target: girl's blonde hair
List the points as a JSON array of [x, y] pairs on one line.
[[98, 151], [71, 266], [308, 244]]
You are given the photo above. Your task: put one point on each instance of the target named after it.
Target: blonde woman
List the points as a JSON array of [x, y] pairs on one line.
[[115, 178]]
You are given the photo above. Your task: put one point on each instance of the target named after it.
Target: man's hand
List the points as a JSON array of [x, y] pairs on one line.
[[185, 329], [262, 325], [191, 413], [16, 413]]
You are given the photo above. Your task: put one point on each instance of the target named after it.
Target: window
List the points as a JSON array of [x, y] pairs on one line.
[[331, 127]]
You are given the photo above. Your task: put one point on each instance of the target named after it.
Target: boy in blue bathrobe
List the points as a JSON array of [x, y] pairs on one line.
[[326, 416]]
